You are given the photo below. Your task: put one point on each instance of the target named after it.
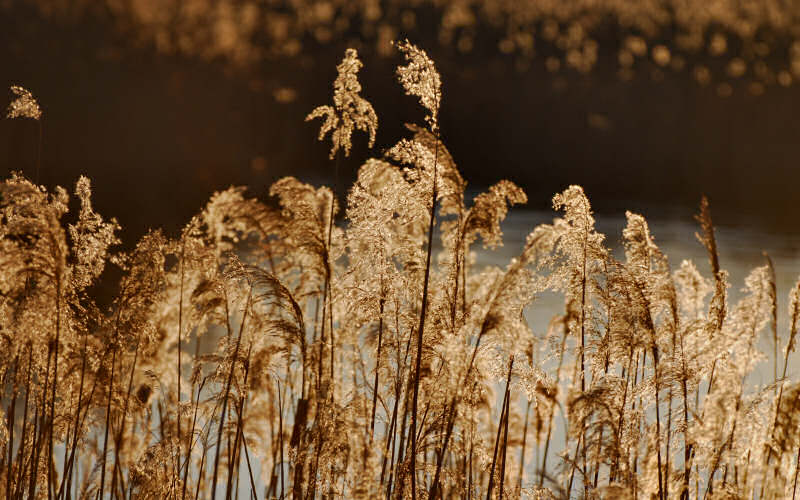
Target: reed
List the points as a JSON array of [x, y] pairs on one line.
[[364, 359]]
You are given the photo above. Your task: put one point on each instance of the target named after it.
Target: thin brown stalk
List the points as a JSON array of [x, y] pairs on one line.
[[400, 376], [391, 433], [796, 470], [10, 425], [626, 374], [118, 443], [500, 426], [377, 369], [108, 420], [399, 472], [551, 410], [469, 460], [227, 392], [661, 490], [280, 434], [686, 446], [667, 469], [201, 469], [329, 266], [180, 333], [583, 347], [505, 449], [249, 467], [24, 435], [421, 329], [655, 351], [68, 461], [239, 432], [42, 431], [57, 341], [189, 449], [574, 462], [524, 442]]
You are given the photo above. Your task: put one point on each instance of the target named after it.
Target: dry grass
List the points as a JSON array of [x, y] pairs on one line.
[[270, 351]]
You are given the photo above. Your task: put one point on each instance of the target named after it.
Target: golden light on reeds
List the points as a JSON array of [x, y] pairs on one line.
[[268, 350]]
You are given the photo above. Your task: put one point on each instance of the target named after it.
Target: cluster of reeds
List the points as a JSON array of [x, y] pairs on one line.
[[268, 351]]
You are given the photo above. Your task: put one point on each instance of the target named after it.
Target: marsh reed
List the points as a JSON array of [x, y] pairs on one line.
[[270, 351]]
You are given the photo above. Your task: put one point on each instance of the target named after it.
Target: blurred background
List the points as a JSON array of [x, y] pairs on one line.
[[647, 104]]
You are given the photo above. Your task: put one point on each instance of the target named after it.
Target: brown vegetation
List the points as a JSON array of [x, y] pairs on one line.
[[362, 360]]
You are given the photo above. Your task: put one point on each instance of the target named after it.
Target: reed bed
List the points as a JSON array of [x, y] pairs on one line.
[[269, 351]]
